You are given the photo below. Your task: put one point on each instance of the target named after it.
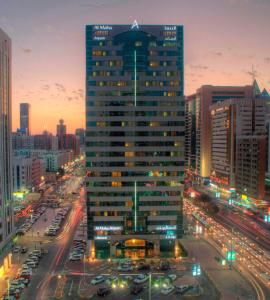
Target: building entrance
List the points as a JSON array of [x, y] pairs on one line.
[[135, 249]]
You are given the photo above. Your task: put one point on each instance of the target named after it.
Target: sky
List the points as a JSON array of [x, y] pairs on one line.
[[223, 39]]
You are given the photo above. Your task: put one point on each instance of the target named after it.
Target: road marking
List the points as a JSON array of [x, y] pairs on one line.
[[70, 290]]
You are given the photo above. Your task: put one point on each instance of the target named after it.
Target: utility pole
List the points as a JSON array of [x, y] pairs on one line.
[[150, 284]]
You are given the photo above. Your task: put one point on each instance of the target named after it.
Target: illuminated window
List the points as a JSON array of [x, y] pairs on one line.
[[129, 154], [101, 124], [147, 83], [97, 53], [153, 64], [174, 83], [116, 184], [116, 174], [121, 83], [169, 94], [129, 203], [97, 63], [138, 43]]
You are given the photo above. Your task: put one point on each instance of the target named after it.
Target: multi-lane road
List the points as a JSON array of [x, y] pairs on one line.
[[251, 259]]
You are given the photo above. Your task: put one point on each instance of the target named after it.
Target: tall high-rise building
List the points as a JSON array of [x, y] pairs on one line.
[[198, 125], [239, 145], [61, 128], [25, 118], [6, 207], [80, 132], [135, 126]]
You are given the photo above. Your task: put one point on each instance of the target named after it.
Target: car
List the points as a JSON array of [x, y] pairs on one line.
[[31, 264], [8, 297], [75, 257], [182, 289], [37, 252], [124, 267], [17, 285], [20, 232], [24, 250], [25, 281], [104, 291], [14, 292], [111, 280], [97, 280], [17, 249], [172, 277], [34, 258], [167, 290], [136, 290], [141, 278]]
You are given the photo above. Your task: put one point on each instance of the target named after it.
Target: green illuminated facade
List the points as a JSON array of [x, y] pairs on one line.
[[135, 123]]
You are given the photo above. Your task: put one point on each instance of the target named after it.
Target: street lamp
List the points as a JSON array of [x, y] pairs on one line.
[[150, 283]]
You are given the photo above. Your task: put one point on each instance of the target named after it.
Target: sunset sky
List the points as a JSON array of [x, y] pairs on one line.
[[223, 39]]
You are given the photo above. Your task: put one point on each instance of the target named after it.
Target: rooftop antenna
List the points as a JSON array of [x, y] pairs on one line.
[[253, 73]]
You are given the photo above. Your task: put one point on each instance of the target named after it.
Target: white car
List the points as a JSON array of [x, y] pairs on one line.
[[141, 278], [172, 277], [167, 290], [75, 257], [97, 280]]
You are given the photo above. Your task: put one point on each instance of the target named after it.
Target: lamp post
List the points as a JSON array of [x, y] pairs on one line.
[[150, 284]]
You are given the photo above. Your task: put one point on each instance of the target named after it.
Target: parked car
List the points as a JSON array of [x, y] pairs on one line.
[[136, 290], [24, 250], [172, 277], [167, 290], [97, 280], [104, 291], [141, 278]]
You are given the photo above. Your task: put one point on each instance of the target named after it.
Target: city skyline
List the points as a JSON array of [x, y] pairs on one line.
[[48, 48]]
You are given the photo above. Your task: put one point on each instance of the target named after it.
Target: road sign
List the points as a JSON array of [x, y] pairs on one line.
[[196, 270], [266, 218], [231, 255]]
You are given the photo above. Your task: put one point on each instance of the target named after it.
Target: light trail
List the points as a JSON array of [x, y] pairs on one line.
[[250, 256]]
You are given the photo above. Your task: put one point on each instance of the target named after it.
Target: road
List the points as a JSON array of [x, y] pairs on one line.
[[53, 263], [252, 227], [251, 260]]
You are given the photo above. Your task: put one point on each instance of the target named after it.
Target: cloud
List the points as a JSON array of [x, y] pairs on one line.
[[217, 53], [267, 59], [60, 87], [45, 87], [26, 50], [198, 67], [79, 93]]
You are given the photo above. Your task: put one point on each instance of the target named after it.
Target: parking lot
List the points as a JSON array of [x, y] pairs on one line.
[[132, 281]]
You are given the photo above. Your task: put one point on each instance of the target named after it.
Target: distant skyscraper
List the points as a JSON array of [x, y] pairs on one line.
[[6, 207], [61, 128], [25, 118], [134, 139], [80, 132]]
